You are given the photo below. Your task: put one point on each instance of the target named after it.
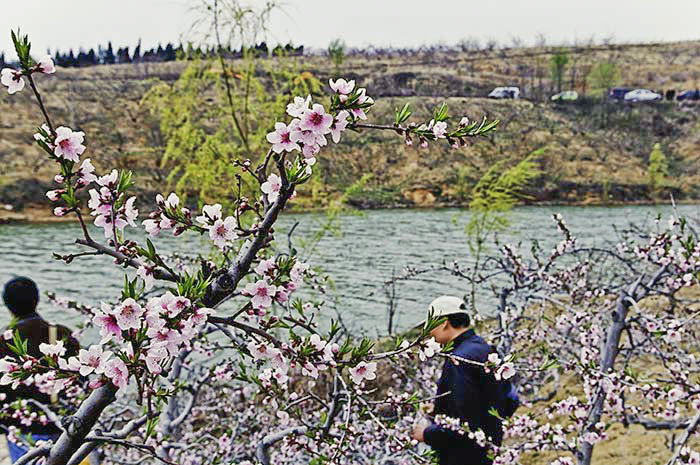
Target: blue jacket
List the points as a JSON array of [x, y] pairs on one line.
[[471, 394]]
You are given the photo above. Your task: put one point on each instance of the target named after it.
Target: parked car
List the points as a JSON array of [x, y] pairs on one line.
[[618, 93], [566, 96], [689, 95], [641, 95], [505, 92]]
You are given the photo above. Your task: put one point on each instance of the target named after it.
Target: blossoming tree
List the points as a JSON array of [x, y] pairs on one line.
[[225, 361], [149, 372]]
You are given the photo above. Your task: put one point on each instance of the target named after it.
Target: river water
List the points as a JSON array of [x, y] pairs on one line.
[[369, 249]]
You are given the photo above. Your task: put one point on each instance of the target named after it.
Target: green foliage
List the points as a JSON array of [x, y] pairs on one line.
[[496, 193], [336, 52], [363, 192], [202, 138], [603, 76], [658, 169], [557, 66]]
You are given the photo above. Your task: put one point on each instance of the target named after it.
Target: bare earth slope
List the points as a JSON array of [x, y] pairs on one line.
[[590, 152]]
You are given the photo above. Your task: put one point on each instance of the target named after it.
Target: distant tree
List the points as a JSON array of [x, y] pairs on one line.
[[82, 59], [70, 60], [92, 57], [123, 55], [336, 52], [603, 76], [137, 53], [658, 169], [557, 67], [169, 53], [109, 57]]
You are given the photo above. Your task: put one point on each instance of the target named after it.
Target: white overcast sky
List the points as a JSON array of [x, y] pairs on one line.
[[65, 24]]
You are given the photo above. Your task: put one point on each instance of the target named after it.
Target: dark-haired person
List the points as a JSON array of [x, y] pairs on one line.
[[465, 391], [21, 297]]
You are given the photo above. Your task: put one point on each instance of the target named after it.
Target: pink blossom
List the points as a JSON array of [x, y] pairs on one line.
[[675, 394], [152, 227], [339, 124], [505, 371], [117, 372], [362, 371], [464, 122], [100, 202], [309, 370], [69, 144], [130, 212], [93, 360], [281, 139], [329, 351], [272, 187], [146, 274], [42, 136], [310, 152], [153, 318], [45, 65], [56, 349], [316, 341], [55, 194], [278, 360], [316, 119], [200, 315], [177, 305], [298, 107], [172, 201], [262, 293], [105, 221], [430, 349], [7, 335], [72, 364], [12, 79], [342, 87], [673, 336], [439, 129], [297, 272], [266, 267], [306, 136], [259, 351], [129, 314], [168, 337], [223, 231], [282, 295], [210, 213], [60, 211], [109, 180], [363, 98], [86, 173], [154, 356], [107, 322]]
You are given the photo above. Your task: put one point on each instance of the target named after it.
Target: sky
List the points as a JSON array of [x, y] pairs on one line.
[[66, 24]]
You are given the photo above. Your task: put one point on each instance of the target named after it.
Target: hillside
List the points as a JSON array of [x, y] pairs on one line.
[[590, 152]]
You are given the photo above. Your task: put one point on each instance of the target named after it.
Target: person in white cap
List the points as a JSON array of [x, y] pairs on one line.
[[465, 391]]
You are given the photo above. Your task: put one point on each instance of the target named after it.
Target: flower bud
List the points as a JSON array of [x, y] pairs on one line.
[[60, 211]]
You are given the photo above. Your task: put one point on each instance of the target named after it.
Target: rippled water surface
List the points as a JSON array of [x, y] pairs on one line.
[[370, 247]]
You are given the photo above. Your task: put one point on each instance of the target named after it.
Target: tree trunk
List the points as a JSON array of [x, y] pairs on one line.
[[80, 424]]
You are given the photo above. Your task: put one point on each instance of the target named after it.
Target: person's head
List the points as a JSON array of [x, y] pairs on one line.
[[457, 318], [21, 296]]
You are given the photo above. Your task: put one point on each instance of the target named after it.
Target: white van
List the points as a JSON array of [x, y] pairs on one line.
[[505, 92]]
